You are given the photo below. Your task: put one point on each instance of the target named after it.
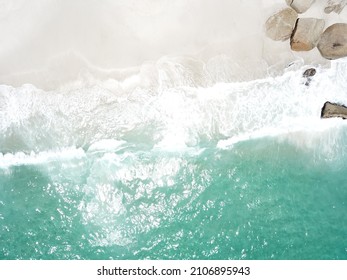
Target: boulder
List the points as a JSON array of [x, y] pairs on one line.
[[300, 6], [333, 42], [306, 34], [280, 26], [334, 110]]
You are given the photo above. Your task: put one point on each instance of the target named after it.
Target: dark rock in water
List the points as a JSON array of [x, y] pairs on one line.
[[333, 110], [333, 42], [310, 72]]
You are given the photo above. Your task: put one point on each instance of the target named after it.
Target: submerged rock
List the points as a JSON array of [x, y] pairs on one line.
[[306, 34], [300, 6], [333, 110], [333, 42], [279, 26], [308, 74]]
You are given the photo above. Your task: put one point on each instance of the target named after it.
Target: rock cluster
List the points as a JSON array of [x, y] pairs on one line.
[[307, 33]]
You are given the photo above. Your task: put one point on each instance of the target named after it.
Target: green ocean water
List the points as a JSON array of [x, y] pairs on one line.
[[259, 199]]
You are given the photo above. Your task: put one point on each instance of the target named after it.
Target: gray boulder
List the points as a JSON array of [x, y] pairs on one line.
[[306, 34], [300, 6], [280, 26], [334, 110], [333, 42]]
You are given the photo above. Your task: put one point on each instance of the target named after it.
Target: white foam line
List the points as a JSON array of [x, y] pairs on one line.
[[20, 158], [301, 125], [106, 145]]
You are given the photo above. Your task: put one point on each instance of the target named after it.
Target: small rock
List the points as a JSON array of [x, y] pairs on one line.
[[280, 26], [306, 34], [300, 6], [333, 42], [310, 72], [334, 110]]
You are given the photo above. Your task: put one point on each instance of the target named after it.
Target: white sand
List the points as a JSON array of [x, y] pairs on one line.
[[49, 42]]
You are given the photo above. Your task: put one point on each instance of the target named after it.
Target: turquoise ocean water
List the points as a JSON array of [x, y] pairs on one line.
[[172, 170]]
